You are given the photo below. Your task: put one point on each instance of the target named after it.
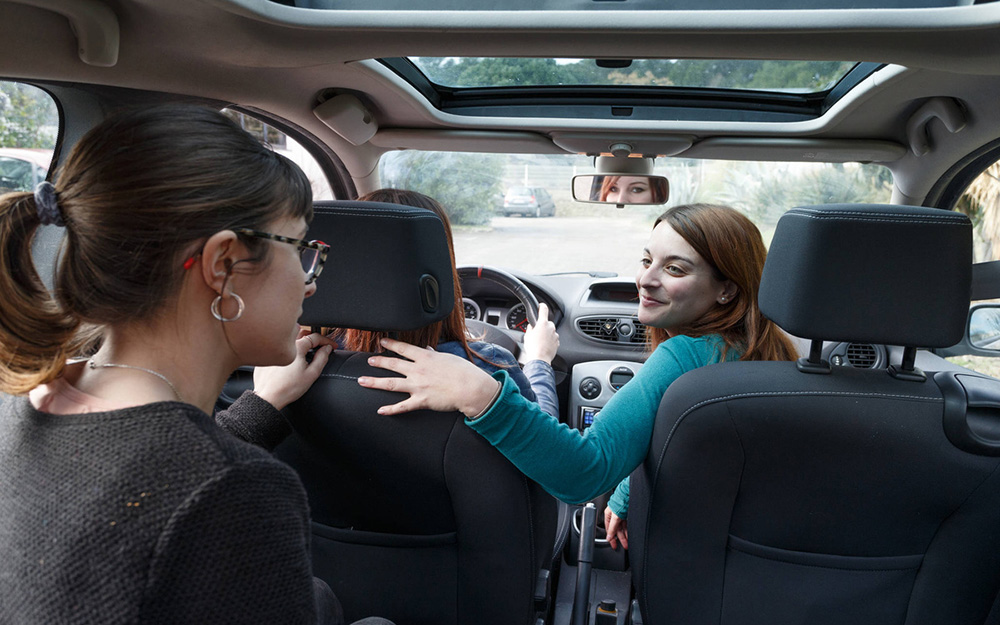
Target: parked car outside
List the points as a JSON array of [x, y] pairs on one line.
[[529, 202], [22, 168]]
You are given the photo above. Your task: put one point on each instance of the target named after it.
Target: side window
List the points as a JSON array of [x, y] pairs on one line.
[[29, 129], [981, 202], [286, 146]]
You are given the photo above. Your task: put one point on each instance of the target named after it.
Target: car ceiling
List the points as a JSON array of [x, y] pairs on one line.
[[282, 60]]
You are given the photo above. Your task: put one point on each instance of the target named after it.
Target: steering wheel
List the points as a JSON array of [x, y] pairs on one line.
[[517, 288]]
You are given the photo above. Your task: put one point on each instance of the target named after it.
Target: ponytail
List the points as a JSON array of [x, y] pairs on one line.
[[136, 195], [36, 334]]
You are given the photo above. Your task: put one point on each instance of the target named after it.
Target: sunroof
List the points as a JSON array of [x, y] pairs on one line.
[[619, 5], [637, 90], [779, 76]]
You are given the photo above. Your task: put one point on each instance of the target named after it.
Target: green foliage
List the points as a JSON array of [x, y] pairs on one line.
[[28, 117], [800, 76], [754, 188], [511, 73], [468, 186], [982, 196]]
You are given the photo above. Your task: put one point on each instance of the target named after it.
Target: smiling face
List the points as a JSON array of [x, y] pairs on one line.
[[266, 333], [676, 285], [630, 190]]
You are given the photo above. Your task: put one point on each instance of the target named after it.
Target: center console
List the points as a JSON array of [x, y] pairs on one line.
[[593, 384]]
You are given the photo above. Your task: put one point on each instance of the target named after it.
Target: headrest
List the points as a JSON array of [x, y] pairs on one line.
[[899, 275], [388, 267]]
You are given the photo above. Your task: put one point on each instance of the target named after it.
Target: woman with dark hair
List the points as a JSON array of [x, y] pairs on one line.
[[697, 285], [450, 335], [121, 499]]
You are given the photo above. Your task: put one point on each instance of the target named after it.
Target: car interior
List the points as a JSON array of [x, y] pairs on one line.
[[857, 485]]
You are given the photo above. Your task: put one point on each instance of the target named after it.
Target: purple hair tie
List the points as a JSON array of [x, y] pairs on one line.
[[48, 205]]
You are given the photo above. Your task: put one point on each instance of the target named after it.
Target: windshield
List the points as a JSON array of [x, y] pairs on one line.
[[601, 238]]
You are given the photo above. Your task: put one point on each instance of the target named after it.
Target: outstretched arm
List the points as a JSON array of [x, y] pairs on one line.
[[573, 466], [434, 381]]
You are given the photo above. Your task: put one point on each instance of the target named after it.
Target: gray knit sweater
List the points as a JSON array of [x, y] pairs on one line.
[[152, 514]]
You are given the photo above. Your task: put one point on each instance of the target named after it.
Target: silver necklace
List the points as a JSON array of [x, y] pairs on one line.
[[112, 365]]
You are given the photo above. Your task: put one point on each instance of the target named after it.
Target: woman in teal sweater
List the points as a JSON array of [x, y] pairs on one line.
[[697, 285]]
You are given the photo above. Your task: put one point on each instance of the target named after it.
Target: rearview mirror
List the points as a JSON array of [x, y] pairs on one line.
[[620, 189]]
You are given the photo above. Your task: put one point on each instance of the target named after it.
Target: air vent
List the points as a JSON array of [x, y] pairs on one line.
[[862, 355], [626, 330]]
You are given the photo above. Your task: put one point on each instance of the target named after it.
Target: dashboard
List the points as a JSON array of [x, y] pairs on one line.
[[500, 312], [602, 344]]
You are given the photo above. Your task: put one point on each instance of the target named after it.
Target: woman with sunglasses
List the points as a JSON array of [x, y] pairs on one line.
[[121, 499]]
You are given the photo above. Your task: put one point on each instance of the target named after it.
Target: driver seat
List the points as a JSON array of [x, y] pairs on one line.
[[415, 517]]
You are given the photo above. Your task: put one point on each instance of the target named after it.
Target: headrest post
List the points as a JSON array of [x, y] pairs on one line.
[[909, 358], [906, 369], [814, 363]]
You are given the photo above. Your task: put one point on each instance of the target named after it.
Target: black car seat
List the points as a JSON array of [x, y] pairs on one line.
[[415, 517], [785, 493]]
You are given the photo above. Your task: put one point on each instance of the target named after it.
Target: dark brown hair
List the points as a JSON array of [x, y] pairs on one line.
[[452, 327], [731, 244], [138, 193]]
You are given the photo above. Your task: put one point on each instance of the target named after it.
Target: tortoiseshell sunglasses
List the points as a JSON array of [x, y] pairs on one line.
[[312, 253]]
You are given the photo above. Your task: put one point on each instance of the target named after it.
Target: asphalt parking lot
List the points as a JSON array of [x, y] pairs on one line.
[[556, 244]]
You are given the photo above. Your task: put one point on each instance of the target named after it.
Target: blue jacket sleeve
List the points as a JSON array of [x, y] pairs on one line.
[[542, 379], [575, 466], [493, 358]]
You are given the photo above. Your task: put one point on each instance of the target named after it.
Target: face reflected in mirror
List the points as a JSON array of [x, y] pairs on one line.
[[627, 190], [621, 189]]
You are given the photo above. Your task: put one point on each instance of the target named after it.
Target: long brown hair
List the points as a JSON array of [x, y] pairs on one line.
[[137, 194], [452, 327], [731, 244]]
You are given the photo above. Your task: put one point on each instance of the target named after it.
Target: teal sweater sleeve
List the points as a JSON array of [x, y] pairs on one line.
[[575, 466], [618, 502]]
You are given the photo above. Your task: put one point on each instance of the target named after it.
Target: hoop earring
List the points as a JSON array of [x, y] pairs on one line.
[[218, 315]]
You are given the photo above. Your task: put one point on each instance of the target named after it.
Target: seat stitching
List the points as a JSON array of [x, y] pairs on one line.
[[880, 217], [819, 566], [387, 215], [864, 213], [339, 376], [793, 393]]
